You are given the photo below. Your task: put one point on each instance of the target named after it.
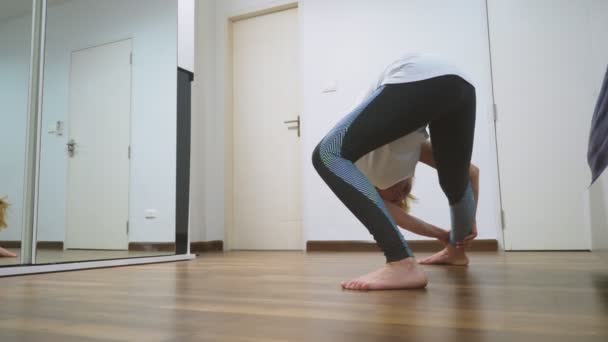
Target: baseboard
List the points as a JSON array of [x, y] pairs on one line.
[[40, 244], [195, 247], [50, 245], [206, 246], [488, 245], [10, 244], [152, 246]]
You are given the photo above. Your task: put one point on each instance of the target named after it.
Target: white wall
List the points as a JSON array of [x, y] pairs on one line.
[[350, 41], [185, 34], [153, 28], [203, 153], [598, 193], [15, 35]]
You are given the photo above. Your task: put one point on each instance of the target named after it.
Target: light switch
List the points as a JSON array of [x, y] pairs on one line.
[[150, 214], [330, 86]]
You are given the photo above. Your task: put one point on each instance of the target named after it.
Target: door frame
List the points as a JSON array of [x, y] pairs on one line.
[[229, 232], [130, 119]]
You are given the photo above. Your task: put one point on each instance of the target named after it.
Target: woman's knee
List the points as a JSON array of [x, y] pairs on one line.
[[317, 160], [324, 156]]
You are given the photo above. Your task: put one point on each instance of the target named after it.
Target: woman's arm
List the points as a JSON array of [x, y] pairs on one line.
[[474, 175], [415, 225]]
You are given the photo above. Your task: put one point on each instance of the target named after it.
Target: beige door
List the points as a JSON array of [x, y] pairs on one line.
[[99, 132], [266, 184]]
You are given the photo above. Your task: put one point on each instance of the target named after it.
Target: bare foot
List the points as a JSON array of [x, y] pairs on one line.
[[402, 274], [8, 254], [448, 256]]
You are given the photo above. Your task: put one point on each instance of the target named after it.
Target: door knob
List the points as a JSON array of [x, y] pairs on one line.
[[297, 122]]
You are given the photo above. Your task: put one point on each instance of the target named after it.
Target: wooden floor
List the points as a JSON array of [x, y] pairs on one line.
[[46, 256], [292, 296]]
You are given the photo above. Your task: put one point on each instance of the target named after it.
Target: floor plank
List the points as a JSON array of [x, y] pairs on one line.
[[294, 296]]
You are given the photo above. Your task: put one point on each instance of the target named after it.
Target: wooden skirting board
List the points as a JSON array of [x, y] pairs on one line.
[[369, 246], [206, 246], [41, 244], [152, 246], [195, 247]]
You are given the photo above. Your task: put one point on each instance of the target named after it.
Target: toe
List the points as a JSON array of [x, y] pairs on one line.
[[362, 285]]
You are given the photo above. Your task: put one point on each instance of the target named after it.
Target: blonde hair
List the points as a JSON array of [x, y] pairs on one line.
[[406, 205], [3, 208]]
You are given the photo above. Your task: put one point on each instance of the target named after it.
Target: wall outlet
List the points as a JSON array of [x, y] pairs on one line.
[[150, 214]]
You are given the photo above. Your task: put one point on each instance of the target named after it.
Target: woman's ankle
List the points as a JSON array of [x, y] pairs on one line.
[[409, 262]]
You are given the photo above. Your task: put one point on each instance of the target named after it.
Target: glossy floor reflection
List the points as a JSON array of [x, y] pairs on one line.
[[293, 296], [46, 256]]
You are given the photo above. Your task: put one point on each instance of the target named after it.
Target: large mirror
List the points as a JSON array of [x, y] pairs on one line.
[[108, 158], [15, 49]]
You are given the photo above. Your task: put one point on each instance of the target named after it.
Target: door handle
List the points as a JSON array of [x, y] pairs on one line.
[[297, 122], [71, 147]]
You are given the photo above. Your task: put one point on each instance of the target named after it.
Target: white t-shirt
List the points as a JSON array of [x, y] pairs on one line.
[[396, 161]]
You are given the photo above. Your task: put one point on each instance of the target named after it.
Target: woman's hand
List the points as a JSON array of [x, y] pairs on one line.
[[442, 235], [469, 238], [416, 225]]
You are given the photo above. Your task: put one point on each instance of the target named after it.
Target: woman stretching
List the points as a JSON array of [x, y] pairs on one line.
[[368, 160]]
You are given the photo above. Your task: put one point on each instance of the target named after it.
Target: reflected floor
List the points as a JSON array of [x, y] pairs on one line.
[[56, 255]]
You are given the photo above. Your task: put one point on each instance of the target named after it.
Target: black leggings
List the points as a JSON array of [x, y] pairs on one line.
[[447, 105]]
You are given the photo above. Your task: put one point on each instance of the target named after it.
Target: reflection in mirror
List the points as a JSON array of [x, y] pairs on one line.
[[107, 163], [15, 47]]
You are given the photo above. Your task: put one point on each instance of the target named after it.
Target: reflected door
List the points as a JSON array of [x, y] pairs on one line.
[[98, 147]]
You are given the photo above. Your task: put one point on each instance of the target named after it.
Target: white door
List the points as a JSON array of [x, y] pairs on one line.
[[543, 90], [266, 93], [99, 126]]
